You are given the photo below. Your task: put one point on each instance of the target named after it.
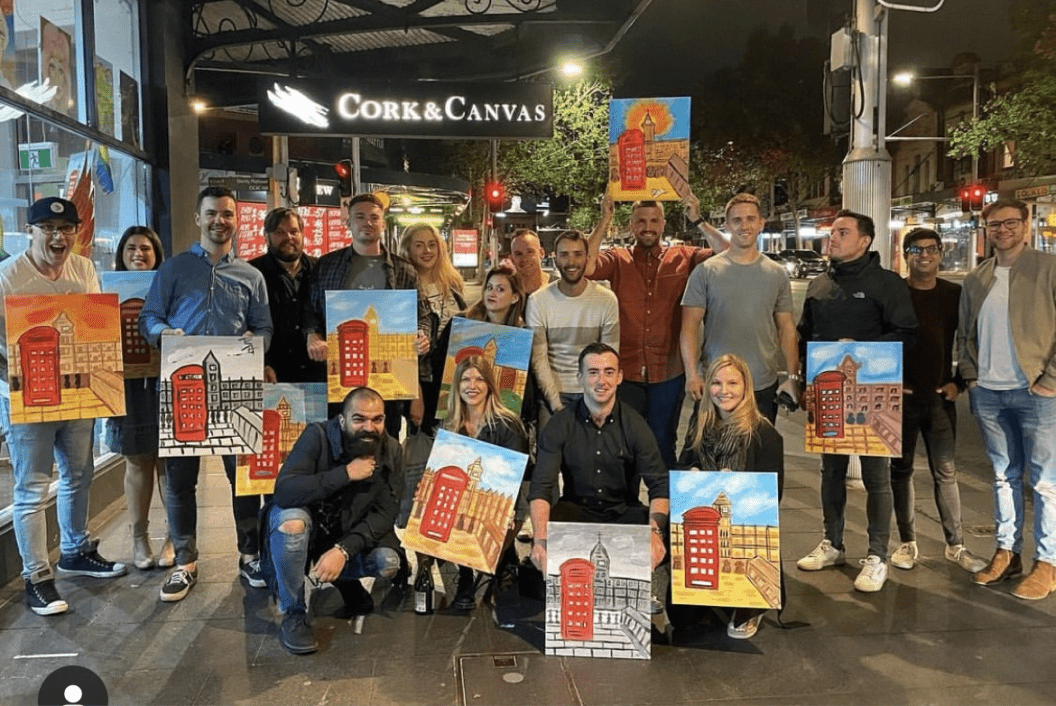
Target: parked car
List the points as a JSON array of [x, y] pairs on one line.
[[790, 265], [811, 263]]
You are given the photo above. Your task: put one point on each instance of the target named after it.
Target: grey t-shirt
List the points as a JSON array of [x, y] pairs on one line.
[[739, 303], [366, 272]]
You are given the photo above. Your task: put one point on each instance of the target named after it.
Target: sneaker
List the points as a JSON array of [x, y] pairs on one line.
[[178, 585], [746, 630], [296, 634], [43, 598], [872, 576], [959, 554], [823, 555], [87, 562], [905, 557], [250, 570]]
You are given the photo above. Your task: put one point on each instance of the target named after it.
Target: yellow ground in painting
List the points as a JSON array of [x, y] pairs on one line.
[[461, 547], [244, 485], [76, 404], [857, 439], [656, 189], [734, 591]]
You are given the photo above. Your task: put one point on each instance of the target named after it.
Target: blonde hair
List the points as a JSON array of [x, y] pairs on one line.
[[745, 416], [493, 409], [444, 273]]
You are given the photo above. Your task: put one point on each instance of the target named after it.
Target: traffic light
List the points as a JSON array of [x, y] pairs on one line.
[[495, 195], [343, 170], [972, 197], [307, 190]]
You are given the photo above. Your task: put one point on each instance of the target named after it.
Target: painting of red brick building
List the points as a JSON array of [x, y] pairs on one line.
[[507, 348], [648, 148], [140, 359]]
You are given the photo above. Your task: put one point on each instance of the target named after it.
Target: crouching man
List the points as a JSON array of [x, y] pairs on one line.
[[333, 513]]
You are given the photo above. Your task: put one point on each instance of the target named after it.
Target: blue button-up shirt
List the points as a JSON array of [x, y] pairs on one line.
[[205, 299]]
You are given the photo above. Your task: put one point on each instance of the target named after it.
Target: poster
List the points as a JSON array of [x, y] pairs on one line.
[[464, 247], [140, 359], [251, 239], [853, 398], [507, 348], [129, 110], [598, 591], [725, 539], [649, 148], [64, 357], [104, 95], [464, 502], [211, 395], [57, 67]]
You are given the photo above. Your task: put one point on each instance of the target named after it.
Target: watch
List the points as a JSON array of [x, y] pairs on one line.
[[696, 223]]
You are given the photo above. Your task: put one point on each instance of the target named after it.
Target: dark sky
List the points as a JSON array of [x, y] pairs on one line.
[[676, 41]]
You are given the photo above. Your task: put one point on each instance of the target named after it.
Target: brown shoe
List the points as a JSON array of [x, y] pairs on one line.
[[1039, 583], [1003, 566]]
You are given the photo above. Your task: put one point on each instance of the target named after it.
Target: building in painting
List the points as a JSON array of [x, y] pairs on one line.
[[363, 350], [279, 432], [196, 397], [835, 399]]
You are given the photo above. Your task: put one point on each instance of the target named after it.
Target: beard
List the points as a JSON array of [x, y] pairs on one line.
[[361, 443], [278, 254]]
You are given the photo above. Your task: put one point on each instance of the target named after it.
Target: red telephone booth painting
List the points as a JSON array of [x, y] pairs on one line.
[[39, 352], [828, 405], [700, 527], [266, 463], [134, 347], [189, 411], [354, 343], [448, 485], [632, 160], [577, 600]]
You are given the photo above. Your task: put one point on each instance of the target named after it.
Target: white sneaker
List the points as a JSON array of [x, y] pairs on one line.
[[872, 576], [823, 555], [959, 554], [905, 557]]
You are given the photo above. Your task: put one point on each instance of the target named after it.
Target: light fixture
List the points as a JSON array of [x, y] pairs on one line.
[[903, 78], [199, 106], [572, 68]]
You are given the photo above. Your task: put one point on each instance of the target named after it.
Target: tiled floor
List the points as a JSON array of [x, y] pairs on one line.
[[930, 637]]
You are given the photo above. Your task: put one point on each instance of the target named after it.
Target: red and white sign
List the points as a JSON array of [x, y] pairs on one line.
[[464, 247], [323, 227]]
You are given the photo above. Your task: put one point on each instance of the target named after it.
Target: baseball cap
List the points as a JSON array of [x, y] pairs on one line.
[[52, 208]]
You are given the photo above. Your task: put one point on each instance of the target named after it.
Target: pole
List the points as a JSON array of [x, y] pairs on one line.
[[494, 239]]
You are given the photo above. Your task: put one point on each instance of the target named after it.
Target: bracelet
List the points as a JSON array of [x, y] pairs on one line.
[[344, 551], [796, 377]]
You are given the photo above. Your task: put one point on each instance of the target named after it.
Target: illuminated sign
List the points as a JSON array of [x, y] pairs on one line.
[[426, 109]]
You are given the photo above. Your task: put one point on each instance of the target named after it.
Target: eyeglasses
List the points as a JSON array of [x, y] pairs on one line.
[[923, 249], [49, 229], [1008, 223]]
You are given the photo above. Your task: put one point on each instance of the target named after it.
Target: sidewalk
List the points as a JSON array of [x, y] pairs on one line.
[[929, 637]]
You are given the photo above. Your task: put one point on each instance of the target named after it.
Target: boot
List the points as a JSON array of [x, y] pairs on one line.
[[142, 554], [466, 591], [167, 557], [1003, 566], [1039, 583]]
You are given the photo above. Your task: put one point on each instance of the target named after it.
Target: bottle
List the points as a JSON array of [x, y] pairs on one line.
[[423, 588]]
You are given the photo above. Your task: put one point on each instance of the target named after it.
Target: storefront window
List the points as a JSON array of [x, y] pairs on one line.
[[42, 56], [117, 70]]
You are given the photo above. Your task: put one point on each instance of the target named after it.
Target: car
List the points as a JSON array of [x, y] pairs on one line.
[[811, 263], [791, 266]]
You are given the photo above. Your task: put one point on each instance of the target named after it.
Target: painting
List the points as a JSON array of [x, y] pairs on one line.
[[58, 67], [371, 337], [129, 92], [853, 398], [288, 410], [141, 360], [598, 590], [211, 395], [64, 357], [507, 348], [725, 539], [104, 95], [464, 502], [649, 149]]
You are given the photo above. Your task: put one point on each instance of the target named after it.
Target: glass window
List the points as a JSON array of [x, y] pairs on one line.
[[42, 56], [117, 74]]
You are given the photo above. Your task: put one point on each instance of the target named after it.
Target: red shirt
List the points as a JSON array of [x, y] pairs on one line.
[[649, 285]]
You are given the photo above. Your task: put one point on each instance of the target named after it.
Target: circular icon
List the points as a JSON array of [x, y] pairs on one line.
[[73, 686], [57, 207]]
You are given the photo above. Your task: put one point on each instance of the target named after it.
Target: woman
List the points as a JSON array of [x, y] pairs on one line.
[[731, 435], [136, 435], [476, 412], [442, 287], [502, 300]]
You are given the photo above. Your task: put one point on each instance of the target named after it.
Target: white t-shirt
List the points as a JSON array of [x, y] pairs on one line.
[[998, 367]]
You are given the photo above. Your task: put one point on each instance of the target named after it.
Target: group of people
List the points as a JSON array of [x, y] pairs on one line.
[[609, 371]]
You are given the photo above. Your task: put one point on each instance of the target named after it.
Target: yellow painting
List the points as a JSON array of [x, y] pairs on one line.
[[649, 148]]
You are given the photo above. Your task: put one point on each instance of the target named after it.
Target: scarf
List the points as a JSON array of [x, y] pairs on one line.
[[723, 448]]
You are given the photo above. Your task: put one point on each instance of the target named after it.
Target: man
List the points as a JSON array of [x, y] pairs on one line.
[[744, 300], [207, 291], [855, 300], [603, 450], [648, 280], [565, 316], [928, 408], [334, 506], [49, 267], [287, 271], [527, 255], [1007, 355], [366, 264]]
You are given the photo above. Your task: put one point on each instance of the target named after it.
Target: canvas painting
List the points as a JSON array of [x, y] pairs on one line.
[[464, 502], [288, 410], [104, 95], [371, 337], [598, 590], [649, 148], [141, 360], [853, 398], [64, 357], [725, 539], [211, 395], [507, 348]]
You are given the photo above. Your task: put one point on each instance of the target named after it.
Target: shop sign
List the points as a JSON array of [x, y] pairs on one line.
[[1033, 192], [37, 155], [424, 109], [464, 248]]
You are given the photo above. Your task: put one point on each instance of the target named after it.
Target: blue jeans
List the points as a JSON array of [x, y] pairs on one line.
[[660, 404], [1019, 432], [34, 448], [876, 475], [289, 555]]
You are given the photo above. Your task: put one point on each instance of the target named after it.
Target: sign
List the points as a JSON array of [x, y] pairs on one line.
[[464, 248], [241, 183], [36, 155], [1033, 192], [323, 227], [426, 109], [251, 238]]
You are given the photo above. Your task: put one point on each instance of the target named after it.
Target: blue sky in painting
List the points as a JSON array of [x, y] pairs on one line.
[[679, 107], [397, 309], [127, 285], [515, 344], [503, 468], [753, 496], [307, 399], [881, 361]]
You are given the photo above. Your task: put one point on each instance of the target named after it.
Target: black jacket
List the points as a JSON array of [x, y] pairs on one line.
[[765, 454]]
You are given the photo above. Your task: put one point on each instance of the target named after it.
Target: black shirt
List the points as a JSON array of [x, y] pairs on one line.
[[929, 365], [287, 297]]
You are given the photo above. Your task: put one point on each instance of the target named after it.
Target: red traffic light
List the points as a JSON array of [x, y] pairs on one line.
[[343, 170], [972, 197], [495, 195]]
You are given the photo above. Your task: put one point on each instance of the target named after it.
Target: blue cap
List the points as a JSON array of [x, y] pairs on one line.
[[52, 208]]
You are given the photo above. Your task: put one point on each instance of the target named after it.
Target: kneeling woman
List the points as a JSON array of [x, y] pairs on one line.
[[731, 435]]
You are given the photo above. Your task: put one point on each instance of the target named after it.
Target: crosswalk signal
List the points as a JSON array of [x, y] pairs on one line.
[[972, 197], [495, 195], [343, 170]]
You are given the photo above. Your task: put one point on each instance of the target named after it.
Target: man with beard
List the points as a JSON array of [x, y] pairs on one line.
[[334, 507], [648, 279], [207, 291], [287, 271], [527, 254], [565, 316]]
